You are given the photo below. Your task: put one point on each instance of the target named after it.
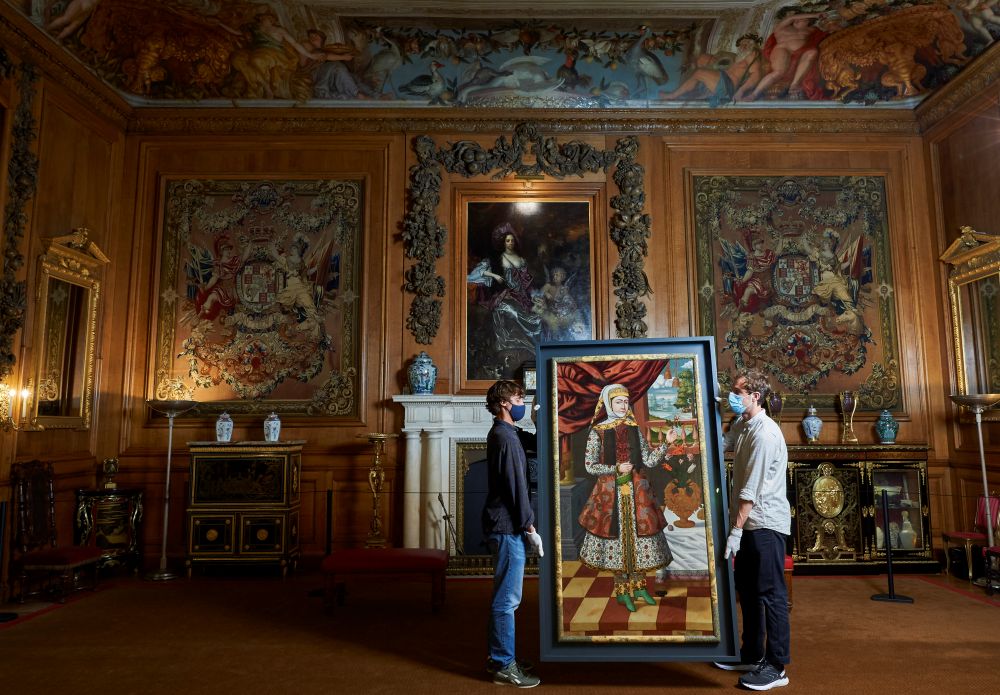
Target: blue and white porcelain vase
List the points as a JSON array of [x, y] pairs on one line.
[[422, 375], [272, 428], [224, 428], [812, 425], [886, 428]]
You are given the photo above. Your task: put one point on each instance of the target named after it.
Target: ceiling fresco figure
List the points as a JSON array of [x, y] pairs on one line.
[[724, 76], [200, 51], [791, 51]]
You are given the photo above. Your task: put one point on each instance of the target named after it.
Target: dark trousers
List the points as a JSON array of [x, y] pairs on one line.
[[760, 581]]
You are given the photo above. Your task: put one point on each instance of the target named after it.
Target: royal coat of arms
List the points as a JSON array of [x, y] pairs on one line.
[[795, 279], [258, 294]]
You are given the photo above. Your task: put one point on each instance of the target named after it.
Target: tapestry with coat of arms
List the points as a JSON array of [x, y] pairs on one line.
[[795, 279], [258, 295]]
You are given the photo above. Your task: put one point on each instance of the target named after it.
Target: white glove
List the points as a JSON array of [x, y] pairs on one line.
[[733, 542], [536, 542]]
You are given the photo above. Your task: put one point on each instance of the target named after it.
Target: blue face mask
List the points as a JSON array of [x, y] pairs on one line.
[[736, 403], [517, 411]]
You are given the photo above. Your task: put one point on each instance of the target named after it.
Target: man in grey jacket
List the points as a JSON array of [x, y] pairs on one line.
[[761, 522]]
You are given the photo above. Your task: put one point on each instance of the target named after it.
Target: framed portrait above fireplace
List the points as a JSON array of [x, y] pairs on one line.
[[634, 566], [527, 260]]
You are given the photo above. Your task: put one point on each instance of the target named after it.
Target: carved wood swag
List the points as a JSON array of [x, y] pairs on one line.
[[424, 237], [22, 179]]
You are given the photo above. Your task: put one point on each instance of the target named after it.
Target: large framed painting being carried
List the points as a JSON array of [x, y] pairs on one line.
[[258, 295], [527, 263], [795, 279], [632, 503]]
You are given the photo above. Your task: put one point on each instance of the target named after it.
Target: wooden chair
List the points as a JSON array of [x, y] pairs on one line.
[[34, 550], [978, 533]]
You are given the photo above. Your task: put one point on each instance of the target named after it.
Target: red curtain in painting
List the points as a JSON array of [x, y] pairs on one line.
[[579, 387]]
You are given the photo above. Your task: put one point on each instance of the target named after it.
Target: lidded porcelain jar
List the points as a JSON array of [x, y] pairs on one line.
[[272, 428], [422, 375], [812, 425], [886, 428], [224, 428]]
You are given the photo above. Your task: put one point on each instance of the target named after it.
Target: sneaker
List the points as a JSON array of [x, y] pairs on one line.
[[493, 666], [513, 675], [765, 677], [737, 666]]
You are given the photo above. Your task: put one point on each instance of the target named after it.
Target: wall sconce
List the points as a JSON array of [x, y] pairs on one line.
[[8, 401]]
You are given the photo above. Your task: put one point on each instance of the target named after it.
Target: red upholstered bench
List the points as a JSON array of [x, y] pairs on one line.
[[383, 562]]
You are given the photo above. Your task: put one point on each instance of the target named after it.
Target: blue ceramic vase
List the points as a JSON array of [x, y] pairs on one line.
[[812, 425], [272, 428], [224, 428], [886, 428], [422, 375]]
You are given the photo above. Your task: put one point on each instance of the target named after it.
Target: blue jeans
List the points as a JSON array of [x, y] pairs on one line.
[[760, 581], [508, 579]]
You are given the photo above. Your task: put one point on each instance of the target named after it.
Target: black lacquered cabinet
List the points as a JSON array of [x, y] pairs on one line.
[[243, 503]]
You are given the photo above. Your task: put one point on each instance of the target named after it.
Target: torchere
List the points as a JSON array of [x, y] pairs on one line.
[[977, 403], [171, 409]]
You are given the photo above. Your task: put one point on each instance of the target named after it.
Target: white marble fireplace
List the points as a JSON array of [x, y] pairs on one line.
[[434, 426]]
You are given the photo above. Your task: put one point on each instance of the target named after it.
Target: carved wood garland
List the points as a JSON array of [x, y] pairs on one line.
[[22, 179], [424, 237]]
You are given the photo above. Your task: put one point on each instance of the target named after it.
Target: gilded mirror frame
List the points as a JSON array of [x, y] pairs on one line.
[[77, 261], [974, 256]]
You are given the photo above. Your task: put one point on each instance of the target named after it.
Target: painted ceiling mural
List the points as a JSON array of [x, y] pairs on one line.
[[207, 52]]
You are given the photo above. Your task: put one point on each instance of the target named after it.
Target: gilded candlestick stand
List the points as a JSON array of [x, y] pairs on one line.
[[376, 478]]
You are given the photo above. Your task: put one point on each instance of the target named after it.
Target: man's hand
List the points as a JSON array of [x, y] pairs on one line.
[[536, 542], [733, 542]]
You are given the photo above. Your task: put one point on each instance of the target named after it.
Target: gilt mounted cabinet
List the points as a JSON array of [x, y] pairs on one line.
[[837, 514]]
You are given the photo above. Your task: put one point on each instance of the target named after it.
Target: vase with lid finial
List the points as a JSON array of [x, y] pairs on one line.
[[272, 428], [224, 428], [812, 425], [422, 375], [886, 428]]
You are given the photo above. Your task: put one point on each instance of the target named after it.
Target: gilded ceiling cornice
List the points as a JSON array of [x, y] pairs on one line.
[[269, 121], [968, 84], [20, 36]]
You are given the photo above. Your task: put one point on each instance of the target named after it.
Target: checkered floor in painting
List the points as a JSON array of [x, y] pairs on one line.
[[590, 609]]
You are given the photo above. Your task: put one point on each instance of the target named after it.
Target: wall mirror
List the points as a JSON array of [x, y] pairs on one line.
[[974, 288], [69, 289]]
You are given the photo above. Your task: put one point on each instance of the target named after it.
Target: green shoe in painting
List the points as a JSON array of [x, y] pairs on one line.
[[644, 595], [626, 601]]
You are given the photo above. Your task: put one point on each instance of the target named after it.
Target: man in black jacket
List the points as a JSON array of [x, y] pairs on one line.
[[508, 526]]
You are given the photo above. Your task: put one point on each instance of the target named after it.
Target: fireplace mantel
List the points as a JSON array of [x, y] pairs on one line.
[[432, 428]]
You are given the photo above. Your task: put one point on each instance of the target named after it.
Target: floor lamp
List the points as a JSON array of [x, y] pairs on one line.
[[171, 409], [977, 403]]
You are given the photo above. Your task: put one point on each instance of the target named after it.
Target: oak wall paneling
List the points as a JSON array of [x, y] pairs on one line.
[[332, 446], [802, 155], [962, 152], [79, 170]]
